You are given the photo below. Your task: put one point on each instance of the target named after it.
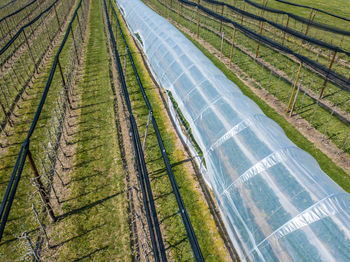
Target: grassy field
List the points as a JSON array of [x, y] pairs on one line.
[[94, 222]]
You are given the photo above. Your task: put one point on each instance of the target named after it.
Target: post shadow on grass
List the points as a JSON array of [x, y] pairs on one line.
[[86, 162], [86, 207], [90, 254], [331, 94], [84, 140], [84, 177], [176, 244], [92, 104], [83, 194], [159, 171], [77, 236], [163, 195], [16, 238]]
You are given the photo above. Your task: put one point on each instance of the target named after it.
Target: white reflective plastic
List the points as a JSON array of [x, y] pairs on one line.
[[276, 202]]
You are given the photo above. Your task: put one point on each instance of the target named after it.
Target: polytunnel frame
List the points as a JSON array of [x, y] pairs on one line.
[[338, 200]]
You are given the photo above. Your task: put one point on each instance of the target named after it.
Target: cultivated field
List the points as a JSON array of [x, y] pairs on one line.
[[91, 164]]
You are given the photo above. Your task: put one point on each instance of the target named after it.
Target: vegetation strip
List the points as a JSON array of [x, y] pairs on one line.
[[153, 224], [93, 223]]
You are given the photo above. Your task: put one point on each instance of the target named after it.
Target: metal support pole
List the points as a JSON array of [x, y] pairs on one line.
[[222, 42], [198, 2], [293, 90], [295, 100], [30, 50], [75, 47], [329, 68], [233, 43], [261, 28], [64, 82], [222, 13], [284, 32], [81, 32], [257, 49], [243, 10], [179, 13], [6, 115], [58, 20], [43, 228], [8, 28], [35, 255], [308, 23], [42, 191], [146, 132]]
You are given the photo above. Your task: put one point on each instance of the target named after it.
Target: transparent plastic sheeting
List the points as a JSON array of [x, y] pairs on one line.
[[276, 202]]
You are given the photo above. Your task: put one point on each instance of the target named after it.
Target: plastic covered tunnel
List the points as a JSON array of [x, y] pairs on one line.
[[276, 202]]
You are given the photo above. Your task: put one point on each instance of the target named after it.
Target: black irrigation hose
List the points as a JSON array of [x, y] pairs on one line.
[[9, 43], [337, 79], [17, 11], [300, 19], [151, 214], [18, 168], [184, 215], [316, 9]]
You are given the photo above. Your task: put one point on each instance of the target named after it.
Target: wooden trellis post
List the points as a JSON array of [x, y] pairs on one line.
[[42, 191], [222, 13], [311, 18], [293, 90], [260, 32], [233, 42], [244, 6], [222, 42], [329, 68], [179, 13]]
